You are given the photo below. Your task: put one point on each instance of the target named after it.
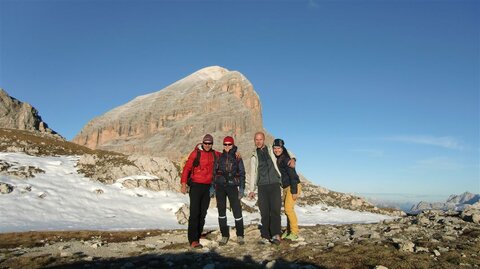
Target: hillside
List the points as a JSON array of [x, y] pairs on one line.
[[107, 167]]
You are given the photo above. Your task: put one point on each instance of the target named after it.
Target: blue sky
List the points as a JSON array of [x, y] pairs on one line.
[[373, 96]]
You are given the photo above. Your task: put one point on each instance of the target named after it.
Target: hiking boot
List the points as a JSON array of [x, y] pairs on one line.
[[276, 240], [196, 244], [223, 241], [263, 241], [285, 234], [240, 240], [292, 237]]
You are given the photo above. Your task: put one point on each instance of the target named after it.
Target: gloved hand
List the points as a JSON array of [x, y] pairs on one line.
[[241, 193], [212, 191]]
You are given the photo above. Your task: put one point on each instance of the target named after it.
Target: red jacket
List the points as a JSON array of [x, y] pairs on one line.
[[203, 173]]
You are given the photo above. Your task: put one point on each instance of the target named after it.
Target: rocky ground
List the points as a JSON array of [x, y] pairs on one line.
[[430, 240]]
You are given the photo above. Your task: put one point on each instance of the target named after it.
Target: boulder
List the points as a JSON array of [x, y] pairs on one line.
[[6, 188]]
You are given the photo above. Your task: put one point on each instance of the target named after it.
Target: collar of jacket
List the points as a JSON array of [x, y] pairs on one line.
[[232, 151]]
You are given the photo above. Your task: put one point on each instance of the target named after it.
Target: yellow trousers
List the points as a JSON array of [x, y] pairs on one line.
[[289, 204]]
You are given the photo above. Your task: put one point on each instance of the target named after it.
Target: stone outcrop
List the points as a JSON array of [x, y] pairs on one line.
[[170, 122], [5, 188], [160, 173], [18, 171], [472, 213], [182, 214], [15, 114]]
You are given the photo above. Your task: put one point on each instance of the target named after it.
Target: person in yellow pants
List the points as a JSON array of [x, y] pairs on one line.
[[289, 200], [291, 188]]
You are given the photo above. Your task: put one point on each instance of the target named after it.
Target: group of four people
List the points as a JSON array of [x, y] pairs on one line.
[[208, 172]]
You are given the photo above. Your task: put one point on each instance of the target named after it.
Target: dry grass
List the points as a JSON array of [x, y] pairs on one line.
[[33, 239], [38, 145], [44, 145], [368, 255]]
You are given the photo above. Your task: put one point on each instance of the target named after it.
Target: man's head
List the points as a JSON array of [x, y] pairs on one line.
[[207, 142], [259, 139]]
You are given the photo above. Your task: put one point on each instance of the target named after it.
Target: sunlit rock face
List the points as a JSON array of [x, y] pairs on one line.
[[171, 121]]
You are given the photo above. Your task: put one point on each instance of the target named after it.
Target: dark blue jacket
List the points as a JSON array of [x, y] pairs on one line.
[[229, 170], [289, 175]]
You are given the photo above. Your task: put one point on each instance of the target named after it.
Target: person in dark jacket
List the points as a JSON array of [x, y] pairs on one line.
[[291, 188], [265, 174], [198, 171], [230, 182]]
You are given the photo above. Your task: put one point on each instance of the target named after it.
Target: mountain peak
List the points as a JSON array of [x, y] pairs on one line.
[[169, 122], [212, 72]]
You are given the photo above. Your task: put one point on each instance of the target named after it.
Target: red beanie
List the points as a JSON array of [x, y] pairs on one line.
[[228, 139]]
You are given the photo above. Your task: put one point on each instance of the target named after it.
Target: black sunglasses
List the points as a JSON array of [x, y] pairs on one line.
[[226, 145], [207, 143]]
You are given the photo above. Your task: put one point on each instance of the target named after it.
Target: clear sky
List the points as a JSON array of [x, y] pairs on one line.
[[372, 96]]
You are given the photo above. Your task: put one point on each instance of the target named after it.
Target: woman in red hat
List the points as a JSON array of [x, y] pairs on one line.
[[230, 182]]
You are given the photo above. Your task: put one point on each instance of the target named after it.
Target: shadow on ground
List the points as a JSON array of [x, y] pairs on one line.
[[209, 260]]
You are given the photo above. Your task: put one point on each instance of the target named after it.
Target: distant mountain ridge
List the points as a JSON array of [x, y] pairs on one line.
[[454, 202], [465, 198]]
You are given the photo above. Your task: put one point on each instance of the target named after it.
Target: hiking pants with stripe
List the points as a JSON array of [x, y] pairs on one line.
[[222, 192]]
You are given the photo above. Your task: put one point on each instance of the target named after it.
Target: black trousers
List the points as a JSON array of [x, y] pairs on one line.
[[222, 192], [270, 204], [199, 202]]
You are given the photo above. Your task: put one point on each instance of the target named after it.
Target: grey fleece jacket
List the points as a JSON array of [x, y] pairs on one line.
[[253, 178]]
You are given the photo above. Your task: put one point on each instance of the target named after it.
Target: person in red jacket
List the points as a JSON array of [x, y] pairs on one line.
[[198, 173]]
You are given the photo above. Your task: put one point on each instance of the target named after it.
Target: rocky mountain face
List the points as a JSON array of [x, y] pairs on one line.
[[15, 114], [454, 202], [170, 122]]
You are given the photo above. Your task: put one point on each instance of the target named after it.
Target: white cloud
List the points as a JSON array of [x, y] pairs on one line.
[[438, 163], [445, 141]]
